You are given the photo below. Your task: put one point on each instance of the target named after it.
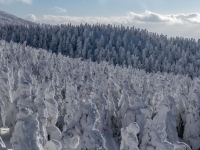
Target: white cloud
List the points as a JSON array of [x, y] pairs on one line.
[[131, 17], [31, 17], [60, 10], [5, 1], [193, 18], [26, 1], [10, 1], [103, 2], [186, 25]]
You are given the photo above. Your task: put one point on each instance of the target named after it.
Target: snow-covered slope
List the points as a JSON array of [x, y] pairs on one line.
[[117, 45], [78, 105], [9, 18]]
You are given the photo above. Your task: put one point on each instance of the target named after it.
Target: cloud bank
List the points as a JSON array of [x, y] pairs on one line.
[[186, 25], [31, 17], [131, 17]]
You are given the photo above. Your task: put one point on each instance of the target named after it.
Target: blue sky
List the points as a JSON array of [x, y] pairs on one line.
[[170, 17], [106, 8]]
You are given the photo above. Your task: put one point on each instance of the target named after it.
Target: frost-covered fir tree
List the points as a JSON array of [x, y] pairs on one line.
[[23, 137], [129, 137], [85, 105]]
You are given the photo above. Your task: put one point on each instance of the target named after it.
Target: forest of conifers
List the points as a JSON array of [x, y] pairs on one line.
[[125, 46], [98, 87]]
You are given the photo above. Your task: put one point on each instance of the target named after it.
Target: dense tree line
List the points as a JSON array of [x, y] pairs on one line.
[[118, 45]]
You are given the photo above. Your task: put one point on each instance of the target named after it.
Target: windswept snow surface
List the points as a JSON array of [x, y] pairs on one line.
[[56, 102]]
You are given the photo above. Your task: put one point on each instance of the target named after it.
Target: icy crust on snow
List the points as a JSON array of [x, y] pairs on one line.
[[55, 102]]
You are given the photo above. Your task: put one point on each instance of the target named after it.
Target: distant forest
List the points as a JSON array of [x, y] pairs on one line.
[[118, 45]]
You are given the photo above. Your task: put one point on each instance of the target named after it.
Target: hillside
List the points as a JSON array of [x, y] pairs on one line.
[[118, 45], [77, 104], [9, 18], [104, 87]]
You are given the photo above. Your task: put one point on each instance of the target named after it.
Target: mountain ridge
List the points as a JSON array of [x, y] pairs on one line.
[[10, 18]]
